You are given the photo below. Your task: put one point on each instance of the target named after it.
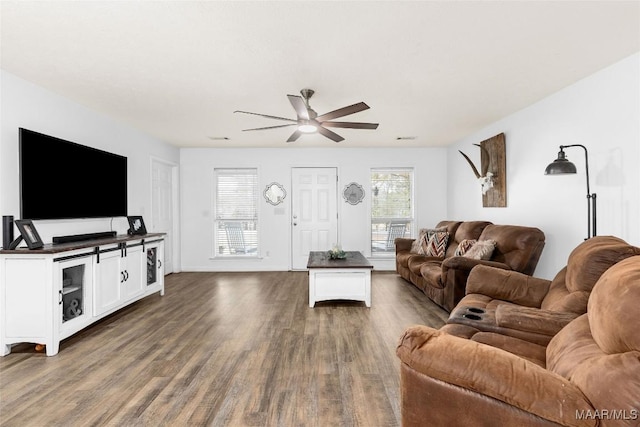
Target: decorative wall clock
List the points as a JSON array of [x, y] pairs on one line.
[[353, 193]]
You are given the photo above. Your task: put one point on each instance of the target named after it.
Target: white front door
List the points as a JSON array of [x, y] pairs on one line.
[[162, 204], [314, 222]]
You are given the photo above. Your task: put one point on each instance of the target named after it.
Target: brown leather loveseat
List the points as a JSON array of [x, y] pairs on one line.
[[588, 375], [506, 303], [443, 279]]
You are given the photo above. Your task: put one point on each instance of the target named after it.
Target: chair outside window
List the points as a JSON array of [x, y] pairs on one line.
[[235, 239], [394, 230]]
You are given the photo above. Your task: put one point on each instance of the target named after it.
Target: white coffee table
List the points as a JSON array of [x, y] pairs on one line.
[[339, 279]]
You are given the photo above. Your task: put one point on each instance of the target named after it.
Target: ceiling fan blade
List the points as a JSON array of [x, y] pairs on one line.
[[330, 134], [298, 104], [271, 127], [294, 136], [352, 125], [345, 111], [265, 115]]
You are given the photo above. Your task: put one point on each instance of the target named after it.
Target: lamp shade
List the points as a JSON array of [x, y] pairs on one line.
[[560, 166]]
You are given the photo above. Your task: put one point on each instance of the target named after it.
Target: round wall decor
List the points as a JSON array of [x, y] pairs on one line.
[[274, 193], [353, 193]]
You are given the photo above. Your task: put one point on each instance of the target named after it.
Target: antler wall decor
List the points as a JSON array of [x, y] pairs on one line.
[[485, 178], [493, 164]]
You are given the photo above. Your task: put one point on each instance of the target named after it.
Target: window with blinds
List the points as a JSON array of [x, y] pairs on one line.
[[391, 208], [236, 210]]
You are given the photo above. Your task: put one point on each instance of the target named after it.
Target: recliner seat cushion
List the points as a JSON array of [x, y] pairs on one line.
[[570, 289]]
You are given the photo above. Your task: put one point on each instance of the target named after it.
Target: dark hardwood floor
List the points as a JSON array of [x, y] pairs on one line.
[[224, 349]]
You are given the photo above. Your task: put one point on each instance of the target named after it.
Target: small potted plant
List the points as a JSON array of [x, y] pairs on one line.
[[336, 252]]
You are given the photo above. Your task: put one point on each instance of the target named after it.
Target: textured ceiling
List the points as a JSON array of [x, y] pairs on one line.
[[433, 70]]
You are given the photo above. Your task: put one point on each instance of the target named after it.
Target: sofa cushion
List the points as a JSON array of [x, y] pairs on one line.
[[482, 249], [415, 262], [517, 246], [464, 246], [403, 258], [437, 244], [466, 230], [558, 298], [613, 308], [431, 271], [600, 350], [571, 287]]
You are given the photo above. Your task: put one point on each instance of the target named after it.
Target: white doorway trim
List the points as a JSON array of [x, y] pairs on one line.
[[175, 210], [314, 212]]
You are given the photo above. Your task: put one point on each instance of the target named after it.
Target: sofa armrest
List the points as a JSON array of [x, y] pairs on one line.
[[509, 286], [530, 319], [403, 244], [454, 274], [493, 373]]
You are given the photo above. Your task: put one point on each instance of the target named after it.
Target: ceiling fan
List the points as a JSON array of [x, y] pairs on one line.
[[308, 121]]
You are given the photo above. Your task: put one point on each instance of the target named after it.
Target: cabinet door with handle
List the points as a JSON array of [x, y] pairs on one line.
[[109, 279], [132, 284], [74, 283], [154, 258]]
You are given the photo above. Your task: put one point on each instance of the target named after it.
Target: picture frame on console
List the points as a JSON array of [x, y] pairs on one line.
[[29, 233], [136, 225]]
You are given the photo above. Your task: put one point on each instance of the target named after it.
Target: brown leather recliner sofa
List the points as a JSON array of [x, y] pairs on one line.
[[443, 280], [588, 375], [503, 303]]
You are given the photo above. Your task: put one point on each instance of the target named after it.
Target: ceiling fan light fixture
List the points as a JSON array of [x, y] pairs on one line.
[[308, 121], [307, 128]]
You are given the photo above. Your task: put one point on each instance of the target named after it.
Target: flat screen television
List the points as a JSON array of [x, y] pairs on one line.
[[61, 179]]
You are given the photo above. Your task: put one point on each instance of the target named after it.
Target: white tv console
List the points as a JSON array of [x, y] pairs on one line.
[[49, 294]]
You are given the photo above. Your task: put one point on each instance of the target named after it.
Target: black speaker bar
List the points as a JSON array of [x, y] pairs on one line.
[[83, 237]]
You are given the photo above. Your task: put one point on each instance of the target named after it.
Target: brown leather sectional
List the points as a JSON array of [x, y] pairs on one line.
[[525, 351], [444, 280]]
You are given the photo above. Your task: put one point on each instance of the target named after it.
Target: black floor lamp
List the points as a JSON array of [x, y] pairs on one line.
[[561, 166]]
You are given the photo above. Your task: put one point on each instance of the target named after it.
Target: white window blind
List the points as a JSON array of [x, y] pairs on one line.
[[391, 208], [236, 207]]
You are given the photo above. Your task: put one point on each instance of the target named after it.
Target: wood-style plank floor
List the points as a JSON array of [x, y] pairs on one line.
[[224, 349]]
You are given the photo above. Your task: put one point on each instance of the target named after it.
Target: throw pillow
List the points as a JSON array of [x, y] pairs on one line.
[[464, 246], [483, 249], [437, 245], [416, 246], [419, 246]]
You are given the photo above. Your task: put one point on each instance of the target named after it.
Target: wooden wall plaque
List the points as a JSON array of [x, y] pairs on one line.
[[494, 153]]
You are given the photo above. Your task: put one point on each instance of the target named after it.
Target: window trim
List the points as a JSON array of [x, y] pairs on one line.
[[215, 219], [411, 219]]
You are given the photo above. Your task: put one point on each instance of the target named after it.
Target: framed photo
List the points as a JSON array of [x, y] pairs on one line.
[[29, 233], [136, 225]]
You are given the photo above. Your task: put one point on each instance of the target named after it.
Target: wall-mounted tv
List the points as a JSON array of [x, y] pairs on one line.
[[61, 179]]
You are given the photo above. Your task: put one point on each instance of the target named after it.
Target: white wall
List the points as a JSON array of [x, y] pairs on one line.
[[601, 112], [26, 105], [354, 165]]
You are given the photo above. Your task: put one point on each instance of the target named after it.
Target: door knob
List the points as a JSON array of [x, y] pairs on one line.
[[295, 223]]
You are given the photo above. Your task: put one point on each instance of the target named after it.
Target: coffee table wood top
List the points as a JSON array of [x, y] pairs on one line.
[[354, 259]]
